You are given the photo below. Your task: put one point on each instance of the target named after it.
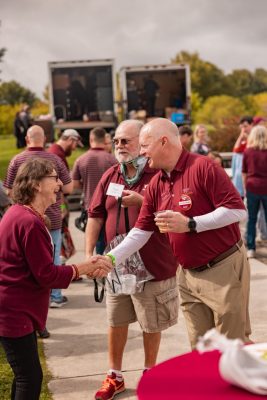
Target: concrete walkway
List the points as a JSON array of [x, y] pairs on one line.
[[77, 354]]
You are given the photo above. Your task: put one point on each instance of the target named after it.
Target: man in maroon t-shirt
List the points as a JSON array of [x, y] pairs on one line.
[[156, 306], [88, 170], [66, 144], [202, 211]]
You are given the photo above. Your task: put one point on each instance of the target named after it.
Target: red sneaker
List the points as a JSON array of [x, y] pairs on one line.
[[110, 387]]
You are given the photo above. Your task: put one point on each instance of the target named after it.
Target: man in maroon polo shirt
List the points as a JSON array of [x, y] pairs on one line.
[[202, 211], [156, 307], [88, 170]]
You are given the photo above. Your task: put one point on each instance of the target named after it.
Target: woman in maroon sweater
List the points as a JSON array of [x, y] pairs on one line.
[[27, 273], [255, 181]]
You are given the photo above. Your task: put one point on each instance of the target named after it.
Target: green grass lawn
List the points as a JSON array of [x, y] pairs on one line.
[[8, 150], [6, 376]]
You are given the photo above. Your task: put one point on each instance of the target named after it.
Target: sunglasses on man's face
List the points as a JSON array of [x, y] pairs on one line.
[[123, 141]]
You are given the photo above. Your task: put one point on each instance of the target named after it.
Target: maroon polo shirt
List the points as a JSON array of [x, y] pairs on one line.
[[89, 168], [156, 254], [255, 166], [27, 272], [59, 151], [196, 186], [53, 212]]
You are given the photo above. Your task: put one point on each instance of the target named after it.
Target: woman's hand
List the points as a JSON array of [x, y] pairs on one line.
[[96, 267]]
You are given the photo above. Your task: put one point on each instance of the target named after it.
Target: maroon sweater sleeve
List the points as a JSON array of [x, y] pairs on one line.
[[39, 255]]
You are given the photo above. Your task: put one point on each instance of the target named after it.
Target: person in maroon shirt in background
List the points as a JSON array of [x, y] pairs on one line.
[[63, 148], [27, 273], [202, 211], [66, 144], [108, 142], [88, 170], [160, 295], [255, 181]]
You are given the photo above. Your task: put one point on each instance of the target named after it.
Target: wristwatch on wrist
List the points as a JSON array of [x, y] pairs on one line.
[[192, 225]]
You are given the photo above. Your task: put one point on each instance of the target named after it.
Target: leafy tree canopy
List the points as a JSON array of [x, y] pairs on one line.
[[209, 80], [206, 78], [13, 93], [239, 83], [261, 104], [217, 109]]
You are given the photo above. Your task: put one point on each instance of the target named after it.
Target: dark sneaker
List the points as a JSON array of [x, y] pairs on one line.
[[110, 387], [59, 303], [44, 334]]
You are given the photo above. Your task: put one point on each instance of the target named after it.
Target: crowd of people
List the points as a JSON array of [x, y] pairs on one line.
[[159, 200]]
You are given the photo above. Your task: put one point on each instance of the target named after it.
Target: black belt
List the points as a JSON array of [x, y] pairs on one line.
[[221, 257]]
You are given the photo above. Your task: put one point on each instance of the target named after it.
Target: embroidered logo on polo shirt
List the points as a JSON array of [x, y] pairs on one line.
[[185, 202]]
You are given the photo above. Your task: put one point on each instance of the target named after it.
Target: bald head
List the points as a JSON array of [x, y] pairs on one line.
[[35, 136], [160, 143], [159, 127]]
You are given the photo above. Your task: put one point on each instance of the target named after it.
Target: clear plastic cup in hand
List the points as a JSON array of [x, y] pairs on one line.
[[162, 228]]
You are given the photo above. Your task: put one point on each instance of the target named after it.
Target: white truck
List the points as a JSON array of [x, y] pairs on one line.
[[82, 94], [156, 91]]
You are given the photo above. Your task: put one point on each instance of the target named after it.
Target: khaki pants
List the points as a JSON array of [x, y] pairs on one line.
[[217, 297]]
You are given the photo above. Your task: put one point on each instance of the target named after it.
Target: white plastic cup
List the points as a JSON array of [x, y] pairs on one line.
[[128, 283]]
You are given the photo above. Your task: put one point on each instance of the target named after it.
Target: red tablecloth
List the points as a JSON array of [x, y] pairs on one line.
[[192, 376]]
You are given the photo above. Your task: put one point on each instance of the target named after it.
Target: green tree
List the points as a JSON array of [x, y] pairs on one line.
[[206, 78], [261, 104], [196, 104], [250, 104], [39, 108], [13, 93], [7, 116], [217, 109], [259, 81], [239, 83]]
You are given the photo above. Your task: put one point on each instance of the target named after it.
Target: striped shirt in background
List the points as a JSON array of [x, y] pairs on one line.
[[53, 212], [89, 168]]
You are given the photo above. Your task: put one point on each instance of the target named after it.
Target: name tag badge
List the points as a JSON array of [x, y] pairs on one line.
[[185, 202], [115, 189]]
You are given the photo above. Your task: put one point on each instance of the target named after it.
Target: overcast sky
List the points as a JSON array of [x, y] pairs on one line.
[[231, 34]]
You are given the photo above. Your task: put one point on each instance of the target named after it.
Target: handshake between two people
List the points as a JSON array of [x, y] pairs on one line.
[[95, 266]]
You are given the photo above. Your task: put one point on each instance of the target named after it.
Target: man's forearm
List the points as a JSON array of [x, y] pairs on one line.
[[219, 218], [133, 242], [92, 232]]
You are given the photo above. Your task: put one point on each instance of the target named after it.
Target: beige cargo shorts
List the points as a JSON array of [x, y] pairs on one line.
[[155, 308]]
